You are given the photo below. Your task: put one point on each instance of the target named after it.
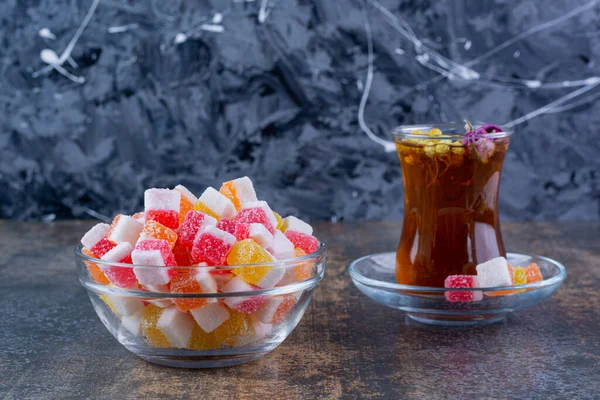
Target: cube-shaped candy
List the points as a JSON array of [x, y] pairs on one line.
[[276, 308], [494, 272], [187, 202], [237, 325], [533, 273], [249, 252], [215, 204], [122, 277], [212, 246], [519, 276], [193, 281], [298, 271], [156, 230], [194, 222], [222, 276], [227, 225], [101, 248], [139, 217], [210, 316], [149, 254], [282, 248], [126, 306], [268, 212], [279, 221], [296, 224], [241, 231], [245, 304], [95, 271], [150, 330], [254, 216], [133, 323], [124, 229], [94, 235], [157, 301], [308, 243], [176, 326], [260, 235], [258, 331], [462, 282], [183, 254], [163, 205], [240, 191]]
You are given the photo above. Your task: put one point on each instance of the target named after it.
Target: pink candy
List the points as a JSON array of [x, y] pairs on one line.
[[212, 246], [194, 222], [254, 215], [122, 277], [463, 282], [153, 253], [162, 205], [227, 225], [247, 304], [308, 243]]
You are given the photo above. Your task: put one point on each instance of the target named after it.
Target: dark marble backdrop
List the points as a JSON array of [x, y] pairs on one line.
[[156, 93]]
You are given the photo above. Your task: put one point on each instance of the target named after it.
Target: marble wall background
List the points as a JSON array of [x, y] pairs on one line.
[[155, 93]]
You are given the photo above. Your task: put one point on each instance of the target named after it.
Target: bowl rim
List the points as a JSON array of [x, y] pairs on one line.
[[399, 131], [556, 279]]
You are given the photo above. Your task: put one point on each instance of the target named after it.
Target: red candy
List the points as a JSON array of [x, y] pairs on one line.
[[212, 246], [194, 221], [462, 281], [161, 245], [170, 219], [102, 247], [242, 231], [227, 225], [123, 277], [254, 216], [308, 243], [183, 255]]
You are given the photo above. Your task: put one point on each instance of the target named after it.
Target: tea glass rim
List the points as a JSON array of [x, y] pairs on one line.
[[404, 131]]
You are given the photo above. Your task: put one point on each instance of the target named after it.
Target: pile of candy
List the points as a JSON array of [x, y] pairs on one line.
[[208, 235], [493, 273]]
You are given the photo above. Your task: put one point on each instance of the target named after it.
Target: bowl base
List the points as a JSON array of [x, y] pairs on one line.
[[455, 320], [201, 361]]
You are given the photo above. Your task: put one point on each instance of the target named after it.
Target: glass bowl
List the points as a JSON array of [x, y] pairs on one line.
[[375, 276], [216, 329]]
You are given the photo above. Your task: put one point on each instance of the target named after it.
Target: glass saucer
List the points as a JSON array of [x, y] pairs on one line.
[[375, 276]]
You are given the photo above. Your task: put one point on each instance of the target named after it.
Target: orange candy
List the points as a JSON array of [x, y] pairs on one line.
[[533, 273], [156, 230], [302, 271], [95, 271], [186, 203], [150, 329], [228, 190], [185, 282]]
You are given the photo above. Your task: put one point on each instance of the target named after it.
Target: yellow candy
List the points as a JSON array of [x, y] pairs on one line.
[[201, 340], [435, 132], [519, 277], [150, 330], [227, 333], [200, 206], [279, 221], [249, 252]]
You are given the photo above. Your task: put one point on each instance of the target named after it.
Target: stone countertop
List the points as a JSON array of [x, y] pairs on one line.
[[346, 346]]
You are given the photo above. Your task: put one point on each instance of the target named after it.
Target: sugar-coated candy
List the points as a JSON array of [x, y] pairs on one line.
[[176, 326], [237, 325], [133, 323], [279, 221], [150, 330], [494, 272], [158, 302], [222, 276], [257, 331], [210, 316], [94, 235], [519, 276], [215, 204], [193, 281], [246, 304], [194, 222], [463, 282], [122, 277], [124, 229], [102, 247], [533, 273], [182, 254], [163, 205], [156, 230], [260, 235], [298, 271], [249, 252], [212, 246], [227, 225], [186, 203], [308, 243], [125, 306], [276, 308], [139, 217], [254, 215], [240, 191], [265, 207], [296, 224], [282, 248], [241, 231], [149, 254], [94, 270]]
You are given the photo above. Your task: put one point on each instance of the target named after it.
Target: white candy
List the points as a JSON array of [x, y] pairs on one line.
[[261, 235], [133, 323], [244, 190], [271, 278], [176, 326], [186, 193], [266, 314], [218, 203], [263, 204], [236, 285], [162, 199], [207, 283], [162, 303], [494, 272], [282, 248], [94, 235], [296, 224], [148, 275], [118, 252], [126, 306], [126, 229], [210, 316]]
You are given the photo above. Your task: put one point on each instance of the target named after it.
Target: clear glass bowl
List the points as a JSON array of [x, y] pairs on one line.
[[375, 276], [266, 318]]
